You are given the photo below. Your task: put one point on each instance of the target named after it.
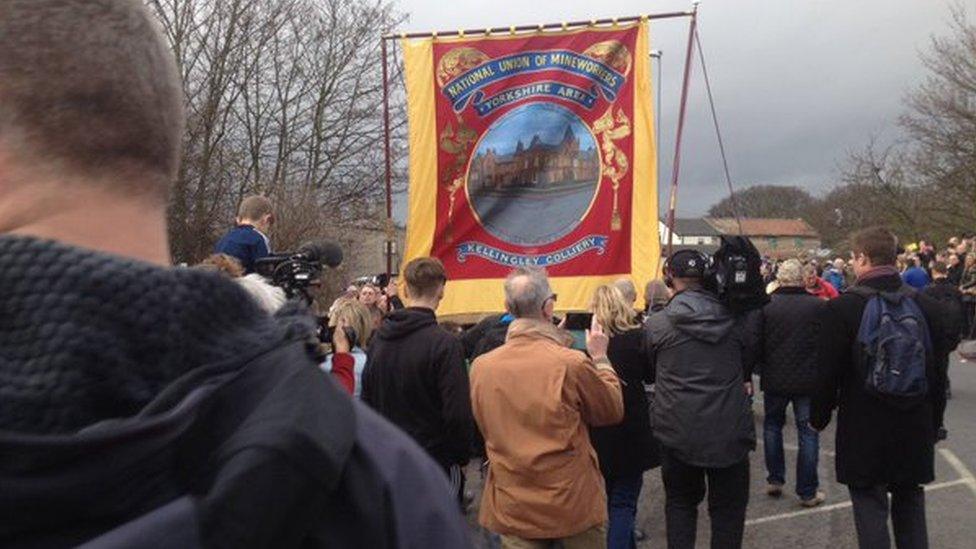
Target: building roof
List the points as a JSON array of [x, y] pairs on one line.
[[707, 249], [764, 227], [693, 226]]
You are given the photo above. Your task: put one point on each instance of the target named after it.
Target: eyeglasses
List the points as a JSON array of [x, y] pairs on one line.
[[552, 297]]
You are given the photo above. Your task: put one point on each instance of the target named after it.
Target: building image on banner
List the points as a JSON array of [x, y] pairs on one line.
[[532, 149]]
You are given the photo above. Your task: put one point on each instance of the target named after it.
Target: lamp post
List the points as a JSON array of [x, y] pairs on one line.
[[656, 55]]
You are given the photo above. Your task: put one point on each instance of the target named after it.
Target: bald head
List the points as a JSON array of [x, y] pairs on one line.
[[89, 91], [527, 293]]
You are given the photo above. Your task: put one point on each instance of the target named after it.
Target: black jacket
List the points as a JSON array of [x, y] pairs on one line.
[[950, 297], [788, 357], [415, 376], [487, 335], [703, 355], [955, 273], [151, 407], [876, 442], [628, 448]]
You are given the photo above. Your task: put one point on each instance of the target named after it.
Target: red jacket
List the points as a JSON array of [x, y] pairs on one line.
[[824, 290]]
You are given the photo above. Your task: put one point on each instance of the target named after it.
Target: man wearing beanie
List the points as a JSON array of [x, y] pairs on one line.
[[788, 372], [702, 413], [144, 405]]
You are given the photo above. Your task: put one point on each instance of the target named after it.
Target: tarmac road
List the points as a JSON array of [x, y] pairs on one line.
[[778, 523]]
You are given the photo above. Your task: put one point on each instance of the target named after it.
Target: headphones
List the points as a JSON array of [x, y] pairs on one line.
[[699, 258]]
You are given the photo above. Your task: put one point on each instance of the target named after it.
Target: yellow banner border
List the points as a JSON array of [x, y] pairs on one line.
[[485, 296]]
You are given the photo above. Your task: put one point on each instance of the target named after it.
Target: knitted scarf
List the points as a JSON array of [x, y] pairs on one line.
[[86, 337]]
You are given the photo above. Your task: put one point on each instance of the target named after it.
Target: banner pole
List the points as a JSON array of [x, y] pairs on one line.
[[389, 170], [537, 28], [676, 167]]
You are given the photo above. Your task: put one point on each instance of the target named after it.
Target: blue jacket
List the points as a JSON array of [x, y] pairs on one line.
[[835, 278], [916, 277], [245, 243]]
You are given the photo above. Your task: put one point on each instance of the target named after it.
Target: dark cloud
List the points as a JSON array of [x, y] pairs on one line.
[[797, 83]]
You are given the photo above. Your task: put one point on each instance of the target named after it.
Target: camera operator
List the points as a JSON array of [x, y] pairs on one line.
[[702, 414], [150, 406], [248, 240]]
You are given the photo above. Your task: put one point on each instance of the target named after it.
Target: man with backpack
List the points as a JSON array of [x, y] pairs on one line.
[[881, 352]]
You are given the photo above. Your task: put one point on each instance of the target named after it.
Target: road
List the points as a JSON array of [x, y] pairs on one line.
[[778, 523]]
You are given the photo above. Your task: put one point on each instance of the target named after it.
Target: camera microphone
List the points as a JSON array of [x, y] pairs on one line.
[[323, 251]]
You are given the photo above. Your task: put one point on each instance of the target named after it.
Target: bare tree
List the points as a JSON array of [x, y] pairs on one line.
[[283, 98], [941, 123], [925, 185], [766, 201]]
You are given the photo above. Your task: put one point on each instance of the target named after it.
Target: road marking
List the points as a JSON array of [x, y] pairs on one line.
[[971, 482], [960, 468]]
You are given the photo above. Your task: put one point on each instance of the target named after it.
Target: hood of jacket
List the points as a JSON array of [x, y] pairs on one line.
[[403, 322], [700, 315], [88, 337], [106, 362]]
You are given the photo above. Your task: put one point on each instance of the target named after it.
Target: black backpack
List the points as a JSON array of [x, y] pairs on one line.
[[738, 280]]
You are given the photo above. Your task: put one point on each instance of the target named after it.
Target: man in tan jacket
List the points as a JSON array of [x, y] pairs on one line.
[[534, 399]]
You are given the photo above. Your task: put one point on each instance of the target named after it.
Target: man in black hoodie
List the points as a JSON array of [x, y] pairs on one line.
[[951, 299], [885, 450], [141, 405], [415, 373]]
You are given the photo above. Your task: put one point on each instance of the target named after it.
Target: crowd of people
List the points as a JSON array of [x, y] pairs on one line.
[[143, 405], [949, 274], [565, 436]]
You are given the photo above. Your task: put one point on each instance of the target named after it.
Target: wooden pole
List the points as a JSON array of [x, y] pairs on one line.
[[676, 167], [390, 234], [536, 28]]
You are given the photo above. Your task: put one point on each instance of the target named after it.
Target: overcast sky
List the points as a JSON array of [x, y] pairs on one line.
[[797, 83]]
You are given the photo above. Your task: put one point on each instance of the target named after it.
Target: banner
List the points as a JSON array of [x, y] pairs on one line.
[[532, 149]]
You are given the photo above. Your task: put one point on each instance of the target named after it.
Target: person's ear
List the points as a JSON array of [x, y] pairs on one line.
[[549, 309]]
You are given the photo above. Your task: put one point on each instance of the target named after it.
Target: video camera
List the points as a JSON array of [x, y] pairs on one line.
[[294, 272]]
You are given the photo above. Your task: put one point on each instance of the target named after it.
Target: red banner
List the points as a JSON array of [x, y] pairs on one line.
[[536, 152]]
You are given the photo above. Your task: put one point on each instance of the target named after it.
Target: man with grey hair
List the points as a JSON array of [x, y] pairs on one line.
[[836, 276], [627, 288], [147, 406], [788, 362], [534, 400], [656, 296]]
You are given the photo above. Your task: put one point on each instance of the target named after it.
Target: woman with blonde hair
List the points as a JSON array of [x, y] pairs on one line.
[[352, 327], [628, 449]]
